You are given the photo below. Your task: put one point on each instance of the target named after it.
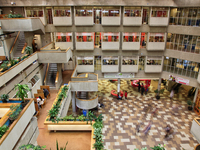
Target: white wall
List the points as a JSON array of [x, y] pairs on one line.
[[129, 68], [84, 45], [110, 46], [110, 68], [111, 21], [132, 21], [2, 51], [62, 21], [36, 86], [158, 21], [85, 68], [84, 21], [64, 45], [153, 68], [130, 45], [155, 46]]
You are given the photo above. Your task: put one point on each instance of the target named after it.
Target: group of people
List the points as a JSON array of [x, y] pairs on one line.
[[142, 89], [120, 96]]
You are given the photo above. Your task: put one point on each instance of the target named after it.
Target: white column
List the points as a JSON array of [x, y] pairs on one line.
[[73, 102], [118, 87], [159, 84], [195, 96]]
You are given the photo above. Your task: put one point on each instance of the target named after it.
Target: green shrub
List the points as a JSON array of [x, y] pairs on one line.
[[3, 130]]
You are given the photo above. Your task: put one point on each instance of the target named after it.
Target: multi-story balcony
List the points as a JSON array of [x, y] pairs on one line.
[[132, 16], [64, 40], [110, 41], [129, 64], [62, 16], [159, 16], [131, 41], [156, 41], [85, 64], [84, 41], [153, 64], [111, 16], [84, 16], [110, 64]]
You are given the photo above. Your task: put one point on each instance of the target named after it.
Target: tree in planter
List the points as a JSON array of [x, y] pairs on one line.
[[158, 93], [28, 50], [22, 92], [5, 98], [189, 102], [3, 130], [14, 113]]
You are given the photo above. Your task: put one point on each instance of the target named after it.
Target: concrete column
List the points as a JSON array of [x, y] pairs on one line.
[[118, 87], [73, 103], [29, 38], [159, 84], [195, 96]]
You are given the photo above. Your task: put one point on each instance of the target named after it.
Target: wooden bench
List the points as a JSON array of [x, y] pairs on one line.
[[42, 96], [45, 87], [2, 58]]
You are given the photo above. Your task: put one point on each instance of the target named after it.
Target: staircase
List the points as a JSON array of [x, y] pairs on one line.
[[17, 52], [51, 76], [82, 95]]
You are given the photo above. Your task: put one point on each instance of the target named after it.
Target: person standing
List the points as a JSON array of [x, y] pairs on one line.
[[142, 89], [139, 86], [121, 95], [125, 94]]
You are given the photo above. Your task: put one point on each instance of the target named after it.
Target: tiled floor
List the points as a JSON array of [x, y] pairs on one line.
[[121, 118]]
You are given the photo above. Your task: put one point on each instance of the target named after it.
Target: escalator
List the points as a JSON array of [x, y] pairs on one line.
[[176, 87], [191, 92], [50, 76]]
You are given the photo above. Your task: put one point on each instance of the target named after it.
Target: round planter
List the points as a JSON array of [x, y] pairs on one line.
[[157, 97], [197, 147], [190, 108]]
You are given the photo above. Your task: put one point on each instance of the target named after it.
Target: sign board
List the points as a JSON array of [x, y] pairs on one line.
[[119, 75], [179, 80]]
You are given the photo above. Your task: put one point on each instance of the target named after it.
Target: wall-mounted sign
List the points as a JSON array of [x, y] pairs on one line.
[[119, 75], [179, 80]]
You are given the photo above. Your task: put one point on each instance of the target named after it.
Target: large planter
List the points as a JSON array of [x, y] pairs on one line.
[[190, 108], [197, 147]]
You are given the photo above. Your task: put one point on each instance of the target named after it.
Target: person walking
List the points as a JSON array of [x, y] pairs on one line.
[[125, 94], [172, 94], [142, 89], [139, 86]]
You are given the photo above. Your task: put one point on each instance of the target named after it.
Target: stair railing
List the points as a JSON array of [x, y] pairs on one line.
[[56, 81], [14, 42], [24, 48], [45, 78]]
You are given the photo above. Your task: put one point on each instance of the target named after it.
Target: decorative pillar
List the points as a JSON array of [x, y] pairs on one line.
[[159, 84], [118, 87], [73, 103], [195, 96]]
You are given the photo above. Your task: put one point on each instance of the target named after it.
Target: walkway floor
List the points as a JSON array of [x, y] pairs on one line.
[[122, 116], [76, 140]]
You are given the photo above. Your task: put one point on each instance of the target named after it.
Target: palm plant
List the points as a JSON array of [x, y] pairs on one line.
[[4, 66], [28, 50], [22, 91]]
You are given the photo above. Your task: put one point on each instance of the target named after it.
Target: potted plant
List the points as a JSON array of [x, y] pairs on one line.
[[5, 98], [3, 130], [14, 112], [81, 118], [22, 93], [18, 59], [189, 102], [4, 66], [158, 93], [28, 50]]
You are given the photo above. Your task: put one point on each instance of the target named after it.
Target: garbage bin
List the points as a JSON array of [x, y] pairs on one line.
[[85, 113]]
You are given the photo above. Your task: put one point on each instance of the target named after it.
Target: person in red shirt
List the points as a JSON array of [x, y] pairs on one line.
[[125, 94]]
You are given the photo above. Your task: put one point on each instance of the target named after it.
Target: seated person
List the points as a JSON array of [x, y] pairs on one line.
[[40, 101], [46, 93]]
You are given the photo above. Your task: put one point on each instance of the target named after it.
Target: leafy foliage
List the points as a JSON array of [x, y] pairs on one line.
[[28, 50], [4, 65], [61, 148], [158, 147], [31, 146], [3, 130], [14, 16], [5, 98], [160, 92], [15, 111], [22, 91]]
